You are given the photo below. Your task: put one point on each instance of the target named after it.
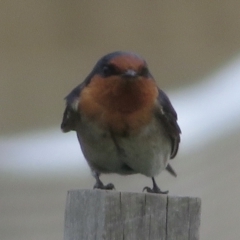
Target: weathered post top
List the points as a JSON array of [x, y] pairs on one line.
[[111, 215]]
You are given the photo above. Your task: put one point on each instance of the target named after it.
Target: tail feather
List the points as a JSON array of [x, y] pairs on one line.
[[171, 170]]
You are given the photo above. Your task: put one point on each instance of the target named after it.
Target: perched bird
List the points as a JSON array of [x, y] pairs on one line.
[[124, 123]]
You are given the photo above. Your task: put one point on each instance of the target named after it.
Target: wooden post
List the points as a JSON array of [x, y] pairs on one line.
[[110, 215]]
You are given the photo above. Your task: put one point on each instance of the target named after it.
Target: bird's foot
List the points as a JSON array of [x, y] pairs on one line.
[[154, 190], [100, 185]]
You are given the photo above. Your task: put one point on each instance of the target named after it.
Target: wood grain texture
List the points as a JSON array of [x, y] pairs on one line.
[[110, 215]]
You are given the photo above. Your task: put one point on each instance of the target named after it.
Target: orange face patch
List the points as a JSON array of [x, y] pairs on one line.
[[124, 62], [119, 104]]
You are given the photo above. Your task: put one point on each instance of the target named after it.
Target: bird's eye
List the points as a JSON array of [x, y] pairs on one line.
[[144, 72], [109, 70]]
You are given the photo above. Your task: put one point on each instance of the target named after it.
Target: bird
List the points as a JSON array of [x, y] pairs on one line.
[[125, 123]]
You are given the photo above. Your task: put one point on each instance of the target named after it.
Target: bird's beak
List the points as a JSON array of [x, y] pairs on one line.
[[129, 74]]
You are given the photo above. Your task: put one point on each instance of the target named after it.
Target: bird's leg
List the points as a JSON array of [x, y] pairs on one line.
[[155, 188], [99, 184]]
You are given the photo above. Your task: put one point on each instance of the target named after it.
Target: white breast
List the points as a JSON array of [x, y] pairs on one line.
[[146, 153]]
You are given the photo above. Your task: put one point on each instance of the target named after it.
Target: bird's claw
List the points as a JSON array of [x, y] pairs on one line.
[[154, 190], [109, 186]]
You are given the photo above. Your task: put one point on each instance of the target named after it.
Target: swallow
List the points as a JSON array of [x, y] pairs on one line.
[[125, 123]]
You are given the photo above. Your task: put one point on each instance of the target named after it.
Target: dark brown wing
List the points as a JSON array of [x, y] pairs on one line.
[[71, 116], [168, 118]]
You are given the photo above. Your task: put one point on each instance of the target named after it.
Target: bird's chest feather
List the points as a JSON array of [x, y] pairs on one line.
[[146, 152], [119, 105], [118, 127]]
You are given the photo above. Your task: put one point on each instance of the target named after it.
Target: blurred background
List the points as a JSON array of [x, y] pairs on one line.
[[48, 47]]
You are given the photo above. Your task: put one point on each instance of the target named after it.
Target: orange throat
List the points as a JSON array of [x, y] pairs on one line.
[[119, 104]]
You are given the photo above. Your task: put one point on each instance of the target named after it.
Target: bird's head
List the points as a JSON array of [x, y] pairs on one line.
[[121, 82], [122, 65]]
